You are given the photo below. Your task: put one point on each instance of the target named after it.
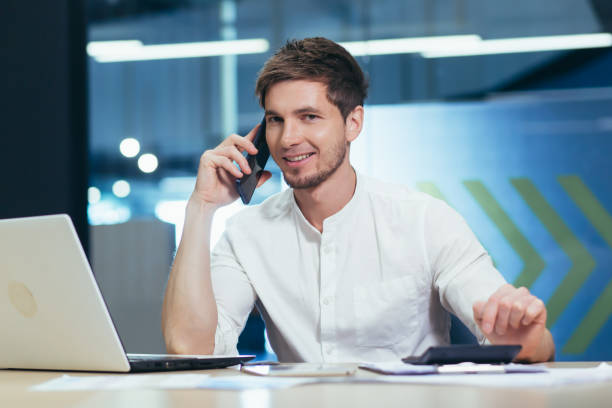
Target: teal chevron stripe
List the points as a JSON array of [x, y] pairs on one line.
[[601, 220], [533, 264], [582, 261]]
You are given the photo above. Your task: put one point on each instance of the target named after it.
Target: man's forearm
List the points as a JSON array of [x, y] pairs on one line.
[[189, 315]]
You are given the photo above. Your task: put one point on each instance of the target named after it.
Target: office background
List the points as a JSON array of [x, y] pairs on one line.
[[103, 123]]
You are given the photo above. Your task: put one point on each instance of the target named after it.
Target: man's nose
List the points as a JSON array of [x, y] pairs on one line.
[[291, 134]]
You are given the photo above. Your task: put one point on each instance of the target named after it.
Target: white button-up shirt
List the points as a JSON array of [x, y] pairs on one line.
[[375, 285]]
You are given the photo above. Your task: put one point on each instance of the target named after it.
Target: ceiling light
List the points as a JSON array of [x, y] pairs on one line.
[[93, 195], [121, 188], [129, 147], [147, 163], [121, 51], [95, 48], [523, 44], [408, 45]]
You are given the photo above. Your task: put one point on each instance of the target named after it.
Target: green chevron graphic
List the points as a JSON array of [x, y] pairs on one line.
[[431, 189], [601, 311], [533, 264], [582, 261]]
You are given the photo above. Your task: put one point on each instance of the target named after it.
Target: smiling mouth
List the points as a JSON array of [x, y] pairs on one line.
[[295, 159]]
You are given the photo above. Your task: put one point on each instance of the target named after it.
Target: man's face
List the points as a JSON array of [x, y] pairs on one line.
[[305, 132]]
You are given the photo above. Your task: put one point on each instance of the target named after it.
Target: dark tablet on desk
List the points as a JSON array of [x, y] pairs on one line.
[[466, 353]]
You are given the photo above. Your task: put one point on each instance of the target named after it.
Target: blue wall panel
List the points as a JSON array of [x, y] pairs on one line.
[[538, 157]]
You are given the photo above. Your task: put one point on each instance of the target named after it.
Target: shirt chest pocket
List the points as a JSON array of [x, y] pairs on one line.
[[386, 312]]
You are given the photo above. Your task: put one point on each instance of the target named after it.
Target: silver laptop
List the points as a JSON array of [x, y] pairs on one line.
[[52, 313]]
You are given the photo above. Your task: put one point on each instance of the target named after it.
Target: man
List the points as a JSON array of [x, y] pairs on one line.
[[342, 267]]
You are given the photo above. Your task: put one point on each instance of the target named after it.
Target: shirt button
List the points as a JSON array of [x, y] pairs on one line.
[[329, 349], [328, 249], [327, 301]]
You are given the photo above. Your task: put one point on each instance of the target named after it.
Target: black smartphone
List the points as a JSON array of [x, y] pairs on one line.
[[246, 185]]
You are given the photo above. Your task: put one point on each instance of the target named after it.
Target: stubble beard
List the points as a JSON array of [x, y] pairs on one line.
[[314, 180]]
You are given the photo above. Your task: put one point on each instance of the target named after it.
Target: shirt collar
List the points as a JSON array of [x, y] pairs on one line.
[[330, 222]]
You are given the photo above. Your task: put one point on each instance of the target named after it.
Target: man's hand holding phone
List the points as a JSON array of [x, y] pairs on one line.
[[217, 173], [189, 315]]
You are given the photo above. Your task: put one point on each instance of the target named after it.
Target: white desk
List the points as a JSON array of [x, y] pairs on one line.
[[14, 393]]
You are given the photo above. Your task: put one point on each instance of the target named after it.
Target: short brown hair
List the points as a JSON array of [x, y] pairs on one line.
[[317, 59]]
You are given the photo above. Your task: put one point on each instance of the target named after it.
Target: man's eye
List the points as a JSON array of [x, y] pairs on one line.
[[311, 117], [273, 119]]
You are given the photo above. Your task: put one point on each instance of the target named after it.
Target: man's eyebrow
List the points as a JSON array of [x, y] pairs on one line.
[[305, 109]]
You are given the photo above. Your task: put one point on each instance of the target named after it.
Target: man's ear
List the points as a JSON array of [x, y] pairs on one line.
[[354, 123]]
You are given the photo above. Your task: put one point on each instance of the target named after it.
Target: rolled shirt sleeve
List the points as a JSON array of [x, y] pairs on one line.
[[463, 272], [234, 295]]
